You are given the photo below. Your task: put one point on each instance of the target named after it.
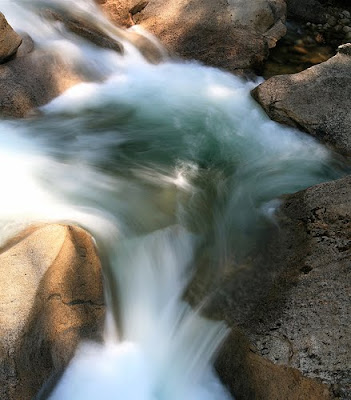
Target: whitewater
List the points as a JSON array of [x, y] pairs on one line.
[[159, 162]]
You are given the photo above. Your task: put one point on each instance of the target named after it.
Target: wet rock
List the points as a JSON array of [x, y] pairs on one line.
[[9, 40], [51, 297], [317, 100], [234, 35], [26, 47], [86, 30], [33, 80]]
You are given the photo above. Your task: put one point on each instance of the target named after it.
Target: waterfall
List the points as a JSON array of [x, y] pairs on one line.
[[159, 163]]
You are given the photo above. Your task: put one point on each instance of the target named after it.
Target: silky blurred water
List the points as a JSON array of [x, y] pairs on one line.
[[158, 162]]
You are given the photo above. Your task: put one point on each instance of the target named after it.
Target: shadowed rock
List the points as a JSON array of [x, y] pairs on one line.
[[306, 10]]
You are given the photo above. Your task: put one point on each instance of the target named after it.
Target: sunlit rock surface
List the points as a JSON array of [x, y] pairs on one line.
[[231, 35], [317, 100], [51, 297], [9, 40], [32, 81]]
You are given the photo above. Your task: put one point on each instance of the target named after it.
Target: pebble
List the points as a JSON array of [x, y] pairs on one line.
[[337, 28], [309, 41], [332, 21], [344, 21], [299, 50]]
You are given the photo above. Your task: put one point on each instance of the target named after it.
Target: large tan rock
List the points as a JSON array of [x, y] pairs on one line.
[[51, 297], [33, 80], [9, 40], [317, 100], [234, 35]]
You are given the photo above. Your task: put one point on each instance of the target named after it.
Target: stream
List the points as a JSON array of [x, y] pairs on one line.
[[161, 164]]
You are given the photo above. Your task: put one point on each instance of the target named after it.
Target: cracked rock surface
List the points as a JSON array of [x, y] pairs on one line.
[[290, 307], [304, 320], [51, 297]]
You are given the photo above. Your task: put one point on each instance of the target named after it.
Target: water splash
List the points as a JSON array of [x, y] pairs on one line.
[[158, 162]]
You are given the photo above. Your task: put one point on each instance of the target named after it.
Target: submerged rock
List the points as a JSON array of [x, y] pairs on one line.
[[26, 47], [86, 30], [317, 100], [9, 40], [234, 35], [51, 297]]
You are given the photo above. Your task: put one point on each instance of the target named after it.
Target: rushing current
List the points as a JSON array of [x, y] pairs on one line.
[[160, 163]]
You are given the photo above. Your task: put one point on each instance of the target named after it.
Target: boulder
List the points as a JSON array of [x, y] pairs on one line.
[[234, 35], [305, 318], [317, 100], [51, 297], [9, 40], [290, 306], [33, 80]]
